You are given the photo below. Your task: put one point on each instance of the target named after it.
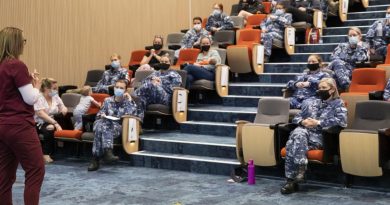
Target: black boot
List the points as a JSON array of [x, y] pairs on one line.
[[109, 156], [94, 165], [290, 187]]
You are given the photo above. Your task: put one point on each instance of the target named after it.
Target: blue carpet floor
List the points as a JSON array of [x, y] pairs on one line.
[[68, 182]]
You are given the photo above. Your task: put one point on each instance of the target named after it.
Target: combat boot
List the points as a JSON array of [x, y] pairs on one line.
[[94, 164], [109, 156]]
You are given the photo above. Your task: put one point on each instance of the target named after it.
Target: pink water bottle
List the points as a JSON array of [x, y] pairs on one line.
[[251, 173]]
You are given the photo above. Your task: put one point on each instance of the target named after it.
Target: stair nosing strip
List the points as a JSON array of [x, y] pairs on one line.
[[142, 153], [209, 123], [343, 27], [221, 111], [251, 96], [190, 142], [363, 12], [352, 20]]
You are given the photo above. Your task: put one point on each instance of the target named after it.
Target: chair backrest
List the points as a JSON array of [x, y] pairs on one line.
[[188, 55], [222, 54], [255, 20], [93, 77], [204, 22], [248, 37], [99, 97], [140, 75], [224, 37], [387, 61], [235, 10], [136, 57], [174, 39], [238, 21], [171, 54], [371, 115], [70, 100], [368, 79], [267, 6], [272, 111]]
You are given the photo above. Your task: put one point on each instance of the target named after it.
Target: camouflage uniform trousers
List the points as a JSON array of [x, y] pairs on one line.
[[105, 132], [343, 73], [299, 143], [267, 39]]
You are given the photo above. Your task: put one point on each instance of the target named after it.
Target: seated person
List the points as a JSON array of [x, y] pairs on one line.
[[204, 68], [154, 55], [81, 109], [218, 20], [378, 35], [157, 88], [112, 75], [106, 127], [249, 7], [305, 85], [316, 115], [192, 37], [386, 94], [345, 56], [48, 105], [303, 10], [273, 28]]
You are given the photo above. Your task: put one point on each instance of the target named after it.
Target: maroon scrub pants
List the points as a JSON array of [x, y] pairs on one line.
[[20, 144]]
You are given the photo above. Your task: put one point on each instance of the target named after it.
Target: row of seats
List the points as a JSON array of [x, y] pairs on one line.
[[362, 148]]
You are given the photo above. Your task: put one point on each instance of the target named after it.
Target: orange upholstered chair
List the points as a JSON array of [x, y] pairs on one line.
[[100, 97], [188, 55], [136, 57], [255, 20], [204, 21], [267, 7], [364, 80], [240, 55]]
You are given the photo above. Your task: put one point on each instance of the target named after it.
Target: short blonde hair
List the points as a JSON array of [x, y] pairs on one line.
[[11, 43], [115, 55], [332, 84], [47, 83], [85, 90], [318, 57], [356, 29]]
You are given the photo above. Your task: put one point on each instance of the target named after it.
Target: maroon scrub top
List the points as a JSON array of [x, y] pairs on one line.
[[13, 110]]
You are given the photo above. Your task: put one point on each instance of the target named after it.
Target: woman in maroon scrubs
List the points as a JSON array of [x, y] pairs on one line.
[[19, 141]]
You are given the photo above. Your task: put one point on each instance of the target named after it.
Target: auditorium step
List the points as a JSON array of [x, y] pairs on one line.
[[218, 113], [381, 7], [364, 22], [378, 2], [285, 67], [315, 48], [342, 30], [264, 77], [256, 89], [175, 142], [189, 163], [367, 14], [337, 38], [223, 129], [302, 57]]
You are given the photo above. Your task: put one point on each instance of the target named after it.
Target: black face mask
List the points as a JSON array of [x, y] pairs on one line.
[[205, 48], [323, 94], [162, 66], [157, 46], [313, 67]]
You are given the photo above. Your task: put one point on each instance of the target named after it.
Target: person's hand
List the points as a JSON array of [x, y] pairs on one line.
[[100, 104], [272, 17], [127, 96], [264, 31], [305, 84], [197, 64], [360, 43], [299, 84], [372, 51], [152, 52], [309, 123], [156, 81], [36, 82], [58, 127], [213, 29], [302, 9], [313, 122]]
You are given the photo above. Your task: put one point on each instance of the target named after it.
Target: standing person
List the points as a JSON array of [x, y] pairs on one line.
[[19, 140]]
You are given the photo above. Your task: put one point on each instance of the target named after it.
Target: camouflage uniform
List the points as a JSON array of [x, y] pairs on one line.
[[275, 30], [109, 78], [222, 21], [386, 95], [302, 139], [106, 130], [157, 94], [344, 60], [190, 38], [377, 40], [301, 94]]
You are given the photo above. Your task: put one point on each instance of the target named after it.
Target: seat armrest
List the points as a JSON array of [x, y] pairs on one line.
[[224, 45], [376, 95], [331, 142], [64, 120], [184, 30], [174, 47], [284, 133], [242, 122], [384, 147]]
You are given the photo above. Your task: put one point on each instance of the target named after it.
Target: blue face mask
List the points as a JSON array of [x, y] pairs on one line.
[[216, 12], [388, 16], [53, 93], [279, 12], [115, 64], [353, 40], [119, 92]]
